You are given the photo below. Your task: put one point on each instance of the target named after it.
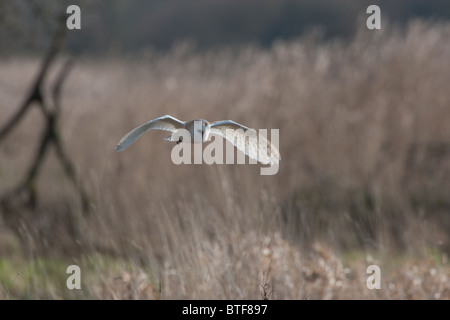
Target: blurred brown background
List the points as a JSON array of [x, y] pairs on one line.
[[364, 139]]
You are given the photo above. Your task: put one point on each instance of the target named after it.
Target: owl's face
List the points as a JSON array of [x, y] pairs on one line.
[[199, 130]]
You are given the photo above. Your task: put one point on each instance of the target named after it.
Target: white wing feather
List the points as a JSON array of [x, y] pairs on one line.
[[167, 123], [246, 140]]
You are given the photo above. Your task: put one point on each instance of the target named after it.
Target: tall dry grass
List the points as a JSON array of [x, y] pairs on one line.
[[365, 145]]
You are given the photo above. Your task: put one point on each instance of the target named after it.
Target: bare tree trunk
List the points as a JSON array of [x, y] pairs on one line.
[[51, 134]]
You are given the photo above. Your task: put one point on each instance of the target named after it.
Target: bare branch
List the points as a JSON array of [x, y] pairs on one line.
[[51, 134], [35, 94], [59, 82]]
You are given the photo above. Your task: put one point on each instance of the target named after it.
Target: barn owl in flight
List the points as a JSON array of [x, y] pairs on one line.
[[244, 139]]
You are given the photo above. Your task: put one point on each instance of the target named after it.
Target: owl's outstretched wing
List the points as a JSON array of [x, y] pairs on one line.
[[167, 123], [247, 140]]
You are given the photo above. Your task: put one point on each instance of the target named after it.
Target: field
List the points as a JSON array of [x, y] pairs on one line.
[[364, 177]]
